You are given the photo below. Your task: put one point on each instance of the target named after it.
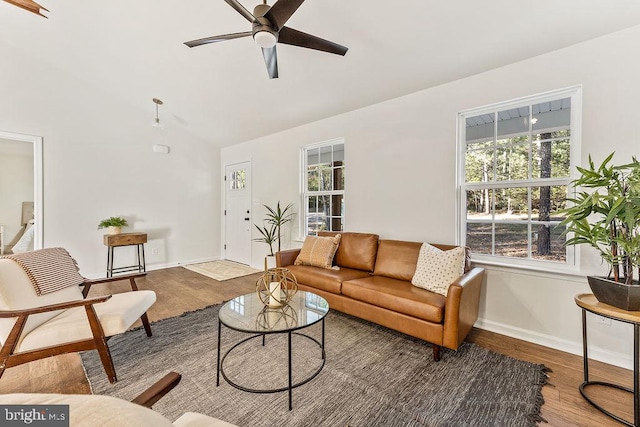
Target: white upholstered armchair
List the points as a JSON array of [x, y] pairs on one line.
[[44, 310]]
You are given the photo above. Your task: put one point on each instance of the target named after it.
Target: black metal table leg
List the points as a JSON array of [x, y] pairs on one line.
[[144, 263], [323, 353], [585, 357], [218, 364], [290, 376]]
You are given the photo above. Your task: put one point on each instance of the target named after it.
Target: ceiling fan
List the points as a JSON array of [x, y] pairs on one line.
[[29, 5], [269, 29]]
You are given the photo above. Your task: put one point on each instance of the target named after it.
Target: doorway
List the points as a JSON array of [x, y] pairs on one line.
[[21, 210], [238, 212]]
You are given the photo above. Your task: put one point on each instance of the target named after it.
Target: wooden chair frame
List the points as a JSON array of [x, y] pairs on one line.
[[10, 359]]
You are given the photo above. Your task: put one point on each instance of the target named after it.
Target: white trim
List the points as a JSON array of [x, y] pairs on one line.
[[572, 347], [38, 182], [160, 266], [223, 205], [571, 263]]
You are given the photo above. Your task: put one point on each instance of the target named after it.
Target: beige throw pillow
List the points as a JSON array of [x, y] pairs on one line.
[[318, 251], [437, 269]]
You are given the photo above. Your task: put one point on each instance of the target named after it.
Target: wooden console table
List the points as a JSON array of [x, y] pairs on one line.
[[112, 241], [588, 302]]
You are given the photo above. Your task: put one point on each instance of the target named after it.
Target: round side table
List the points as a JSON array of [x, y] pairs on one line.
[[588, 302]]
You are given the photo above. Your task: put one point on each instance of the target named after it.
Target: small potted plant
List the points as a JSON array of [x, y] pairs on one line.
[[271, 231], [608, 219], [114, 224]]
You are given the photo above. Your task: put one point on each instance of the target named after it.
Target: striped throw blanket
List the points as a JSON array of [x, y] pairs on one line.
[[49, 269]]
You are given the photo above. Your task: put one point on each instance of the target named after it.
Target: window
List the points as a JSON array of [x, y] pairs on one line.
[[238, 180], [323, 187], [516, 161]]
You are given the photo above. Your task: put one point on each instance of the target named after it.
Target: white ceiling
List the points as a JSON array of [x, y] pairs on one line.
[[221, 92]]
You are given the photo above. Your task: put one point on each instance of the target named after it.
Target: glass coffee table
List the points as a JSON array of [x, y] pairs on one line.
[[248, 314]]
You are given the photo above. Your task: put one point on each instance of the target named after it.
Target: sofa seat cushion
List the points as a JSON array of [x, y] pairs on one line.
[[397, 295], [326, 280]]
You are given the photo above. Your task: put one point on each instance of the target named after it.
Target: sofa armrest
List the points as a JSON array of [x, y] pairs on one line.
[[284, 258], [461, 307]]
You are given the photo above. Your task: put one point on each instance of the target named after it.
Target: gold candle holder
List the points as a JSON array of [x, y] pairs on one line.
[[276, 287]]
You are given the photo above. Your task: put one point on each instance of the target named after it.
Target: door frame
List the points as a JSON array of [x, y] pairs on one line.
[[223, 243]]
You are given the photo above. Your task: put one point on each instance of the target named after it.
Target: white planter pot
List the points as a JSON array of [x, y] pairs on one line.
[[269, 262], [114, 230]]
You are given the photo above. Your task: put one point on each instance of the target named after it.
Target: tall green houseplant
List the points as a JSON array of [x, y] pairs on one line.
[[608, 217], [278, 217]]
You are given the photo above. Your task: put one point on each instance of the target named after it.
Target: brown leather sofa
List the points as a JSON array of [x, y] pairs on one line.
[[374, 283]]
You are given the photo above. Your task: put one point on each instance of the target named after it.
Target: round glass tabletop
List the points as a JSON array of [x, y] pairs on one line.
[[246, 313]]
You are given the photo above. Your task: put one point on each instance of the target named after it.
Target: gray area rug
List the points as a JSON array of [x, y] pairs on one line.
[[372, 376]]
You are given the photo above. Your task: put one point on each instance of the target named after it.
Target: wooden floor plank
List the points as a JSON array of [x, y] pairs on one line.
[[179, 290]]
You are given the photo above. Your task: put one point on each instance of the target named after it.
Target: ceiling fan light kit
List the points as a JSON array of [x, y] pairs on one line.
[[268, 29]]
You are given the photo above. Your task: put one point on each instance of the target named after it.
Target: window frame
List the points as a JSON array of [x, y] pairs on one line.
[[572, 255], [304, 192]]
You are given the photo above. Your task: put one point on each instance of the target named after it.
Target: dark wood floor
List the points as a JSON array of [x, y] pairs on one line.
[[179, 290]]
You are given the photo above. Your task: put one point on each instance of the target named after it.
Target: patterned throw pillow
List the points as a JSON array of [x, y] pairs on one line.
[[318, 251], [437, 269]]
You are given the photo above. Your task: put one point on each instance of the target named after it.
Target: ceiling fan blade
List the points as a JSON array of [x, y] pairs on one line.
[[241, 10], [29, 5], [214, 39], [280, 12], [298, 38], [271, 61]]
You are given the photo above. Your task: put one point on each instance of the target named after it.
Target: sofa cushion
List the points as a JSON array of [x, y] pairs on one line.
[[326, 280], [397, 295], [318, 251], [437, 269], [356, 250], [397, 259]]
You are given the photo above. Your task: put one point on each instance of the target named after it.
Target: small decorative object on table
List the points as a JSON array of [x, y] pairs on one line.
[[271, 318], [114, 224], [276, 287]]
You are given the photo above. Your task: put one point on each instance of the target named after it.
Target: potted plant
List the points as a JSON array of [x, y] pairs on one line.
[[271, 232], [608, 219], [114, 224]]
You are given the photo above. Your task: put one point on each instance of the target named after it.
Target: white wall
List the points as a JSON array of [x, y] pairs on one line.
[[16, 186], [400, 171], [98, 162]]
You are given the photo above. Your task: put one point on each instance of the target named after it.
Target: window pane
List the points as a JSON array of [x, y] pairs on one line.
[[312, 179], [338, 179], [312, 203], [479, 166], [325, 155], [551, 115], [479, 238], [336, 224], [512, 159], [551, 158], [479, 204], [548, 242], [547, 202], [313, 157], [326, 178], [511, 203], [480, 128], [513, 122], [512, 240], [316, 223], [338, 153], [337, 205]]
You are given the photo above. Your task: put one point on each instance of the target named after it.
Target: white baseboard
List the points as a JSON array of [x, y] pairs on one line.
[[159, 266], [595, 353]]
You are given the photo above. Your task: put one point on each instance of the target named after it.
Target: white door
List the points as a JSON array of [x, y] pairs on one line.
[[238, 212]]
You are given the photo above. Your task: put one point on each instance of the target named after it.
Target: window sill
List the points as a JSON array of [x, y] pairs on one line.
[[569, 273]]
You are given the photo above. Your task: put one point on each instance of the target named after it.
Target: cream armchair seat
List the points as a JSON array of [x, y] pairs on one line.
[[35, 326], [105, 411]]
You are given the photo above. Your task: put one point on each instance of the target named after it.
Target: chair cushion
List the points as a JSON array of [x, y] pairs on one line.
[[17, 292], [87, 410], [318, 251], [326, 280], [116, 316], [397, 259], [193, 419], [397, 295], [356, 250], [437, 269]]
